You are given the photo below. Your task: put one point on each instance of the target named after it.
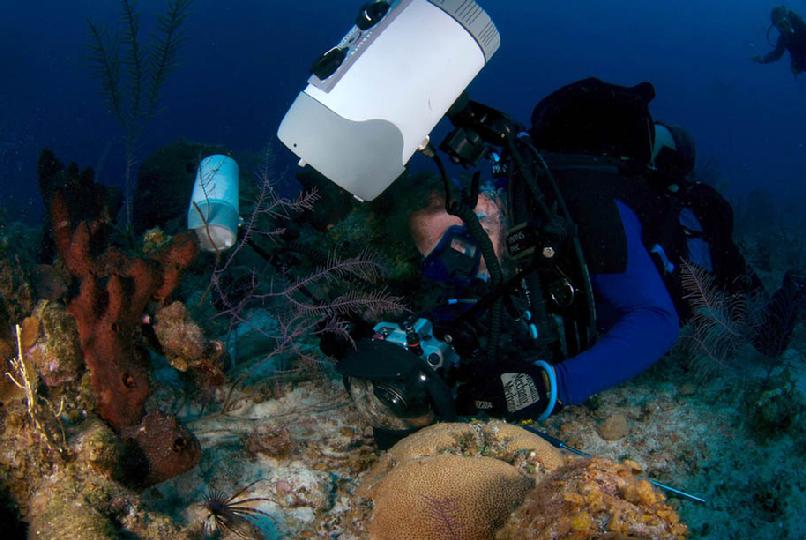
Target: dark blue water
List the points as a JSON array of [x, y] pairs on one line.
[[245, 60]]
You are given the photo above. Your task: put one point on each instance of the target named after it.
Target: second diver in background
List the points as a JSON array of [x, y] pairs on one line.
[[791, 37]]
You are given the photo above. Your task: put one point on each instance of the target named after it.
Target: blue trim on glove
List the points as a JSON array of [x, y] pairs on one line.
[[552, 389]]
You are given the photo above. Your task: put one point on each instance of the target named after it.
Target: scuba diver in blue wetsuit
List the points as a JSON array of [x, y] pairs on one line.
[[590, 218], [550, 294], [791, 37], [552, 281], [626, 319]]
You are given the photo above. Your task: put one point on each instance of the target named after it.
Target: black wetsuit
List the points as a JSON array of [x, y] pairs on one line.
[[707, 241], [793, 41], [695, 225]]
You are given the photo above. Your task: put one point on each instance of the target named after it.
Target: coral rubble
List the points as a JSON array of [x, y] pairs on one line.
[[590, 499]]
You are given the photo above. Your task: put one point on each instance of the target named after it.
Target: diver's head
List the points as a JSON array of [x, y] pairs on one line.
[[673, 152], [451, 254], [779, 17]]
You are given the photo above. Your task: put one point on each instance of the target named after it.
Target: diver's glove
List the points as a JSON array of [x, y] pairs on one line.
[[525, 391]]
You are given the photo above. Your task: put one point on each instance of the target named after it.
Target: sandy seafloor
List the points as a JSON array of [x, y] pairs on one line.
[[687, 422]]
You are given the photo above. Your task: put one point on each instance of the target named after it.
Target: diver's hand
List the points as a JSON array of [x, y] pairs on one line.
[[513, 392], [758, 59]]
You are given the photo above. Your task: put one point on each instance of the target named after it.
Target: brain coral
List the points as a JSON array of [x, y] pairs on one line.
[[457, 481], [446, 497], [593, 498]]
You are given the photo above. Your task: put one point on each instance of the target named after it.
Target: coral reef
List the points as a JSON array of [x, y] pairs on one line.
[[272, 441], [494, 439], [79, 497], [155, 240], [381, 226], [19, 241], [44, 417], [24, 457], [697, 434], [167, 447], [52, 344], [98, 446], [183, 342], [16, 296], [776, 407], [48, 282], [462, 481], [614, 427], [60, 515], [75, 503], [115, 290], [590, 499], [310, 451]]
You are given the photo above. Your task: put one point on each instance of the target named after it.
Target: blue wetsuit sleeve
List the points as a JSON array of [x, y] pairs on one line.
[[637, 321]]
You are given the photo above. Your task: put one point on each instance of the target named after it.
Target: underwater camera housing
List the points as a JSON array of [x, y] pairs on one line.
[[418, 337], [373, 99], [403, 392]]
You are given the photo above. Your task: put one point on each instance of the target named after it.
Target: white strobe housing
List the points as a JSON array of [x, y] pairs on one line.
[[360, 125], [214, 207]]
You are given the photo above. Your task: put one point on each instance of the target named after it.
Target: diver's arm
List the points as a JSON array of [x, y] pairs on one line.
[[775, 54], [645, 324]]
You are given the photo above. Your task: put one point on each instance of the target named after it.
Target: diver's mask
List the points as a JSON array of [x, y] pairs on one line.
[[455, 260]]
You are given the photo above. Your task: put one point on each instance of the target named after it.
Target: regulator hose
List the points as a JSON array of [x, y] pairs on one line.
[[464, 209]]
